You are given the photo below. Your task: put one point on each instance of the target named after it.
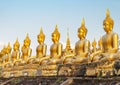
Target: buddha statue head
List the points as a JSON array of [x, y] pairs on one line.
[[27, 41], [41, 36], [82, 31], [55, 35], [108, 23], [94, 43], [16, 45], [8, 49]]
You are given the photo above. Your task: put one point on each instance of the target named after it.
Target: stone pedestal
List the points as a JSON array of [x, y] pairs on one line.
[[49, 70], [94, 69]]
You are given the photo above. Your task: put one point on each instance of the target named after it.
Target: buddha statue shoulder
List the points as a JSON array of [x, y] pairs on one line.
[[26, 50], [82, 46], [55, 49], [109, 40], [16, 53]]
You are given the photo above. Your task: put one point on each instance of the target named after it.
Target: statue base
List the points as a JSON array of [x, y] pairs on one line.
[[49, 70], [16, 71], [94, 69]]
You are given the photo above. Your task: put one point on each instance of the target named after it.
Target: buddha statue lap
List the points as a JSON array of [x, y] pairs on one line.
[[26, 50], [82, 47]]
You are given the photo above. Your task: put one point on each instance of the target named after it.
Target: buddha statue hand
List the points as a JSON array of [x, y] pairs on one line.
[[67, 58], [80, 60], [43, 58], [31, 59], [109, 57], [54, 61]]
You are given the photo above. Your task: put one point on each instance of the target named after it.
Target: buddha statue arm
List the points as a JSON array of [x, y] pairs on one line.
[[9, 57], [44, 50], [18, 55], [37, 52], [29, 52], [22, 50], [115, 42], [86, 49], [75, 49], [59, 50]]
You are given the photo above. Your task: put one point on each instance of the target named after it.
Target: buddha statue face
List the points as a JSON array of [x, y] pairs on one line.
[[27, 41], [82, 31], [3, 51], [16, 45], [8, 49], [108, 23], [55, 35], [41, 37], [55, 38], [81, 34]]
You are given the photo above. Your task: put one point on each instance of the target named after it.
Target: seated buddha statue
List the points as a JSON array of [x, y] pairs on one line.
[[109, 40], [82, 47], [8, 56], [68, 52], [41, 48], [55, 49], [16, 53], [95, 54], [26, 50], [3, 55]]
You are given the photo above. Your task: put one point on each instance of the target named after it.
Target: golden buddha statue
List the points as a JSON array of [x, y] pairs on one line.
[[100, 46], [26, 50], [68, 53], [8, 56], [95, 54], [82, 47], [55, 49], [3, 54], [16, 53], [41, 48], [109, 40], [94, 46]]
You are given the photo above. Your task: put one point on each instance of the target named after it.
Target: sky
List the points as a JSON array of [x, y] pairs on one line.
[[19, 17]]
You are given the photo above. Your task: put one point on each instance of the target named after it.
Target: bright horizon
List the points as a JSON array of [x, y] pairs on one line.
[[18, 17]]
